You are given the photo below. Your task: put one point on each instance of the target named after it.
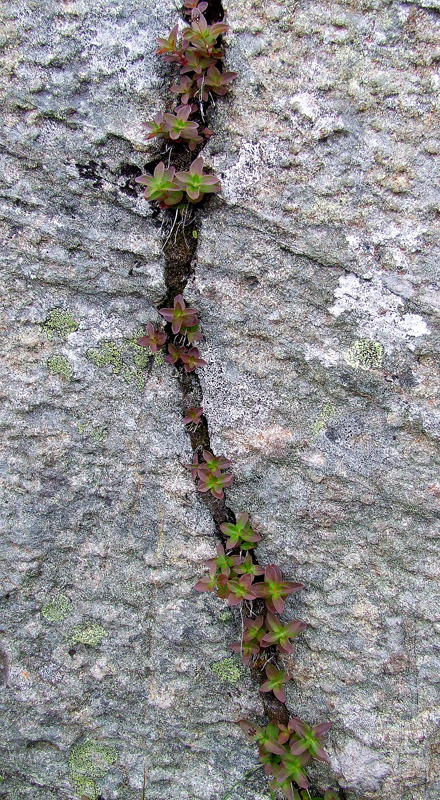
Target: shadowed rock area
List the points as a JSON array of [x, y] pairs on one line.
[[317, 280]]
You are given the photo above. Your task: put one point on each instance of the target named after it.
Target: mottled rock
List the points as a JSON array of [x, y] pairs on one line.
[[317, 280]]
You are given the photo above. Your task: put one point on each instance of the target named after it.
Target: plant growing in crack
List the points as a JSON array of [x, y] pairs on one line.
[[286, 747], [193, 417]]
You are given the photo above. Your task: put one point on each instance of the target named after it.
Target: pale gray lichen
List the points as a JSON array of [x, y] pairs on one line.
[[225, 616], [57, 609], [228, 670], [92, 634], [365, 354], [59, 365], [90, 761]]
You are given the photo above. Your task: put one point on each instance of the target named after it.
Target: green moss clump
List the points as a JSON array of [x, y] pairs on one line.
[[57, 609], [61, 322], [92, 635], [90, 761], [59, 365], [225, 616], [228, 670], [365, 354]]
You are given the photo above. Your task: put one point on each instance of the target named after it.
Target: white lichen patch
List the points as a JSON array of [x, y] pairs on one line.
[[254, 168], [379, 311]]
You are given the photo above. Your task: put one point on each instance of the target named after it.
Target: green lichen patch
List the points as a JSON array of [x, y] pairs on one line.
[[89, 762], [158, 358], [228, 670], [97, 433], [128, 360], [320, 424], [57, 609], [92, 634], [59, 365], [59, 322], [365, 354], [225, 616]]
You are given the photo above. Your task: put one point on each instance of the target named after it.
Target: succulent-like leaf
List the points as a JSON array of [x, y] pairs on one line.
[[206, 584], [222, 563], [191, 359], [274, 590], [214, 483], [196, 183], [248, 566], [240, 589], [174, 354], [193, 415], [155, 127], [194, 466], [275, 682], [186, 86], [214, 81], [280, 634], [179, 315], [240, 534], [161, 185], [154, 339], [214, 464]]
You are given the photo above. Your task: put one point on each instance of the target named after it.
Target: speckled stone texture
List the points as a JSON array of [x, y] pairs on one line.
[[317, 282]]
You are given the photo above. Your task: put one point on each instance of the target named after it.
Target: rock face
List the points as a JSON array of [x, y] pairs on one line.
[[317, 283]]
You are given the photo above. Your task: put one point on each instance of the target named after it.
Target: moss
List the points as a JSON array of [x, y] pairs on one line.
[[61, 322], [320, 424], [228, 670], [225, 616], [59, 365], [91, 635], [57, 609], [365, 354], [128, 360], [90, 761]]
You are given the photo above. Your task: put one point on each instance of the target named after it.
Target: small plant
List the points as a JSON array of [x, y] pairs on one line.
[[154, 339], [253, 632], [280, 635], [285, 752], [274, 590], [191, 359], [180, 316], [203, 37], [275, 682], [161, 187], [214, 463], [214, 81], [193, 416], [214, 483], [196, 183], [240, 534]]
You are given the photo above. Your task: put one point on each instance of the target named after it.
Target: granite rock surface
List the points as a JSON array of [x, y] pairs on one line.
[[317, 280]]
